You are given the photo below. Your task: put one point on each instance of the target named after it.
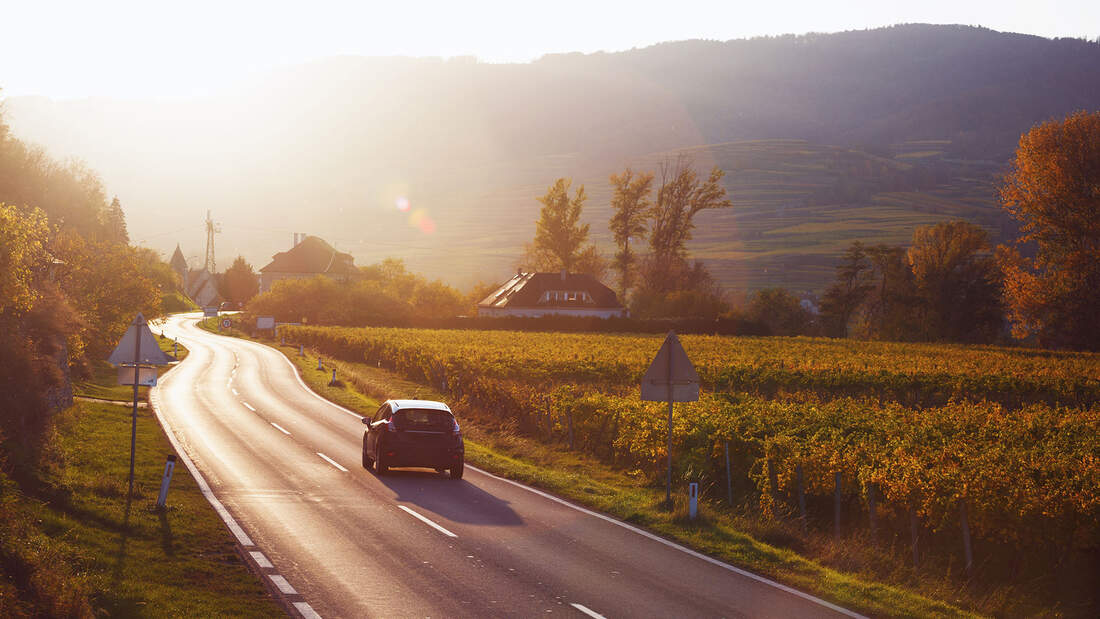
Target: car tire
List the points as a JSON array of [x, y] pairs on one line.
[[380, 465], [456, 471], [367, 462]]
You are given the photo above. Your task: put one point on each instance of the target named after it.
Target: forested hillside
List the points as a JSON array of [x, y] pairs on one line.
[[903, 126]]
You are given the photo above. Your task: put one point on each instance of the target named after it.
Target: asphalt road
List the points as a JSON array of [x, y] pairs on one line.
[[285, 464]]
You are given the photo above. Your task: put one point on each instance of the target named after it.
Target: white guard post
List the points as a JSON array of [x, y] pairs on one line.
[[693, 499], [169, 465]]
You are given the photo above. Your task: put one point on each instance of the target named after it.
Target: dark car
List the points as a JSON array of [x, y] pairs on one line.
[[420, 433]]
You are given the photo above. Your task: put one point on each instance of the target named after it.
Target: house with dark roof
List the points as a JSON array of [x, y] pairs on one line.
[[309, 257], [542, 294]]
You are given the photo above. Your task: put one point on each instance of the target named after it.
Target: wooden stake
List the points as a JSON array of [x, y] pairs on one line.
[[836, 504], [967, 552], [801, 494], [729, 480], [913, 533]]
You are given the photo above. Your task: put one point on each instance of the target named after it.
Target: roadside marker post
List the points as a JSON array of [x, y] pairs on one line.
[[693, 500], [671, 377], [169, 466], [333, 381], [320, 364]]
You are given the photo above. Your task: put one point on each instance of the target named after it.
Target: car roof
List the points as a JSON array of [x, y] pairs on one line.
[[432, 404]]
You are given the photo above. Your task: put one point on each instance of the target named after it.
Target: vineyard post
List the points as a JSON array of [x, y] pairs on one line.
[[729, 480], [913, 534], [773, 481], [836, 503], [871, 507], [801, 494], [569, 418], [967, 552]]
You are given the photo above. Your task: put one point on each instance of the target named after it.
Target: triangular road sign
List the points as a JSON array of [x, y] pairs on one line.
[[150, 352], [671, 377]]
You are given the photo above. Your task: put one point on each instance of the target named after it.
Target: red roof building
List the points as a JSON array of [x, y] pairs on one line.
[[309, 258]]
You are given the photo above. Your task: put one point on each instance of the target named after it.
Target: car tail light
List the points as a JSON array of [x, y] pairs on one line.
[[456, 430]]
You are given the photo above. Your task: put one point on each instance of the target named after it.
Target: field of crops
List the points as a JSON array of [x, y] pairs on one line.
[[924, 431]]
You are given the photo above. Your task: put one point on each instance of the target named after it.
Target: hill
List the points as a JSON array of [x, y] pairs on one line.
[[826, 138]]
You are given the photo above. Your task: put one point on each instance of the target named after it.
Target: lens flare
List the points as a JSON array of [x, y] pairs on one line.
[[420, 219], [402, 203]]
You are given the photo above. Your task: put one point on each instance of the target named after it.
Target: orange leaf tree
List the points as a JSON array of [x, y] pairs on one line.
[[1053, 189]]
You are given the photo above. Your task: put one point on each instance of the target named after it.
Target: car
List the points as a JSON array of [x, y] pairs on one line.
[[413, 433]]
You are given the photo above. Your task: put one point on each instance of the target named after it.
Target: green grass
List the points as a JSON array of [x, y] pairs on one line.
[[138, 561], [78, 545], [719, 532]]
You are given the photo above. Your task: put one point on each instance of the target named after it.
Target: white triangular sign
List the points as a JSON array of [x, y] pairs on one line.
[[150, 353], [671, 376]]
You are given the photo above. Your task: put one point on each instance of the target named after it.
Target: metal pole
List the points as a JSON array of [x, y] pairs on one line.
[[729, 480], [668, 486], [133, 414], [968, 553]]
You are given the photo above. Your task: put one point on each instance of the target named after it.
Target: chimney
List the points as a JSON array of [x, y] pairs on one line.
[[564, 273]]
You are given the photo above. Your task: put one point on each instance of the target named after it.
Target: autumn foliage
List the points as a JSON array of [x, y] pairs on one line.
[[1054, 190]]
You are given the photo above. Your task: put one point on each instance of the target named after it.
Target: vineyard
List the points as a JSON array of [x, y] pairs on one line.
[[1007, 439]]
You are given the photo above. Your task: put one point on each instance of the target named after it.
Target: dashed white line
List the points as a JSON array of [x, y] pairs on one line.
[[248, 406], [427, 522], [306, 610], [588, 611], [260, 559], [280, 428], [330, 460], [282, 584]]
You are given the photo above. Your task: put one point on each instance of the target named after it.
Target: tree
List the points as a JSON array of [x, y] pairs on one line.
[[957, 283], [1053, 189], [114, 223], [558, 230], [888, 313], [780, 311], [844, 296], [630, 203], [679, 198], [239, 283]]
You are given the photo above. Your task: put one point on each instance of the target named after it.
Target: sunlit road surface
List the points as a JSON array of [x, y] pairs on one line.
[[339, 541]]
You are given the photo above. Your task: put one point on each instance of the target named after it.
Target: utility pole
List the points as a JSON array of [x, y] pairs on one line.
[[211, 229]]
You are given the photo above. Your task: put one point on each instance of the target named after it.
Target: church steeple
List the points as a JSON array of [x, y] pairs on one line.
[[179, 263]]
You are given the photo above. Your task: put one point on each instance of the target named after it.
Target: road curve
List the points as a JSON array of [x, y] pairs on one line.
[[285, 464]]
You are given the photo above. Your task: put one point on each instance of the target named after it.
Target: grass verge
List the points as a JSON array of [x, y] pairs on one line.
[[717, 532]]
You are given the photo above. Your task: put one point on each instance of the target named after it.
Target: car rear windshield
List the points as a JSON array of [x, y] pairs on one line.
[[423, 419]]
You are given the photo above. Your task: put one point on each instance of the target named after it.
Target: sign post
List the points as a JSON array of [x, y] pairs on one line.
[[138, 347], [671, 377]]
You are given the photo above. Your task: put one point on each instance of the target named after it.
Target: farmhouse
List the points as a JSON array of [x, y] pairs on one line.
[[309, 257], [541, 294]]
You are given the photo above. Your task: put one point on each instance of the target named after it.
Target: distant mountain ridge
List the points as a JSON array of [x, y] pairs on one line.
[[328, 147]]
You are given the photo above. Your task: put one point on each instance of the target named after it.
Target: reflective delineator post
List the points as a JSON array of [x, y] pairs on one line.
[[169, 466], [333, 381], [693, 500], [320, 364], [301, 350]]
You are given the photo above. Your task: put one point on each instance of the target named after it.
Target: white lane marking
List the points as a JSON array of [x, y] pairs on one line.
[[248, 406], [282, 584], [235, 392], [427, 522], [684, 549], [330, 461], [260, 559], [280, 428], [306, 610], [238, 532], [588, 611]]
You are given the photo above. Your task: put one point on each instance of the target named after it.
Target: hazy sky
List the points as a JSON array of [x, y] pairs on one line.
[[153, 48]]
